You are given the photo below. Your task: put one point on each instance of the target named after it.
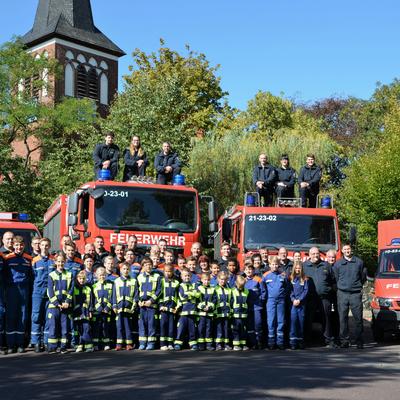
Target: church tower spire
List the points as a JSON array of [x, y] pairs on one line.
[[65, 30]]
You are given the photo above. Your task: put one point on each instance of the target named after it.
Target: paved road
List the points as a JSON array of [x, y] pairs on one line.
[[317, 373]]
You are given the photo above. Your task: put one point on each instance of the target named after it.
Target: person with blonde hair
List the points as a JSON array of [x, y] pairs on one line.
[[135, 160]]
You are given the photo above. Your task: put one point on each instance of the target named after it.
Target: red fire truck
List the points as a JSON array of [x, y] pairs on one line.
[[386, 301], [250, 227], [116, 210], [19, 225]]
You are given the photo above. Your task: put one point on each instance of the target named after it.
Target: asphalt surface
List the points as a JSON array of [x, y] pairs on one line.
[[315, 373]]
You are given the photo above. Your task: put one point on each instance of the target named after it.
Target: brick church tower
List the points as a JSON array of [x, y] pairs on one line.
[[64, 29]]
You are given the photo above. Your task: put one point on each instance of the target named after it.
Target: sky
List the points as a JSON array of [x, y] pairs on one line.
[[306, 50]]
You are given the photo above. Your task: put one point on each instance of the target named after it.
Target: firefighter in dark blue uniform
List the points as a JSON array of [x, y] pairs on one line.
[[286, 178], [350, 275], [106, 156], [19, 279], [264, 177], [167, 164], [309, 178]]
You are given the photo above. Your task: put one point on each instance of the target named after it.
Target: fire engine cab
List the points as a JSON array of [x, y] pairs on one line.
[[18, 224], [249, 228], [385, 304], [116, 210]]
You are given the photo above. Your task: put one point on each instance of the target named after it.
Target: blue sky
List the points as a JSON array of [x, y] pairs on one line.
[[307, 49]]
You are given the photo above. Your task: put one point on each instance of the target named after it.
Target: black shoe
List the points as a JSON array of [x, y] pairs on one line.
[[63, 350], [302, 346], [293, 347], [271, 347], [360, 346], [344, 345], [52, 351], [38, 349], [281, 347], [11, 350]]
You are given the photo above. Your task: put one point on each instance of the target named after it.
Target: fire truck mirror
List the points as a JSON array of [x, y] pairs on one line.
[[73, 203], [96, 193], [213, 227], [72, 220], [212, 211], [226, 230]]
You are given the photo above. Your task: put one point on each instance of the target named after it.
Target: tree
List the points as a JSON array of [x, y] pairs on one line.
[[371, 191], [58, 135], [167, 96]]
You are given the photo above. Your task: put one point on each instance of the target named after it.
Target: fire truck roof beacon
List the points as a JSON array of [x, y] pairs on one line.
[[104, 175], [250, 200], [326, 202], [179, 180]]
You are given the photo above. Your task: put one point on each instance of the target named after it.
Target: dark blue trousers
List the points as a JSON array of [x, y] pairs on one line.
[[186, 327], [147, 325], [101, 329], [239, 332], [39, 329], [2, 316], [205, 330], [222, 330], [124, 328], [59, 323], [167, 328], [276, 320], [83, 333], [255, 327], [17, 300], [297, 315]]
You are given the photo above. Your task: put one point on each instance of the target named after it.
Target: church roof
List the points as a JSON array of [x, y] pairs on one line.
[[70, 20]]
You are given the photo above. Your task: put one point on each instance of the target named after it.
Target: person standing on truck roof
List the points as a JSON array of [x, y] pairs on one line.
[[309, 178], [264, 177], [167, 164], [320, 294], [8, 239], [350, 276], [286, 178], [135, 160], [106, 156]]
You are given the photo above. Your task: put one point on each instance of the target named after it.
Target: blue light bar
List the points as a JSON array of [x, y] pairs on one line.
[[23, 217], [395, 242]]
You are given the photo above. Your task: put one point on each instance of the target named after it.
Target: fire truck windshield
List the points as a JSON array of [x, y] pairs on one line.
[[292, 231], [146, 209], [389, 262]]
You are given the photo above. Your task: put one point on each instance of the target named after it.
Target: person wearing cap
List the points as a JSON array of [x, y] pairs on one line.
[[309, 178], [106, 156], [167, 164], [264, 177], [286, 178]]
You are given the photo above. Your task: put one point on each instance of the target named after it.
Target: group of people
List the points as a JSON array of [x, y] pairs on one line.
[[106, 157], [101, 301]]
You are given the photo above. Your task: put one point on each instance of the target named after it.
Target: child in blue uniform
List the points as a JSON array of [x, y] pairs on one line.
[[19, 278], [298, 294], [188, 299], [191, 265], [256, 302], [59, 290], [42, 266], [124, 300], [277, 287], [206, 307], [88, 262], [222, 312], [102, 309], [239, 306], [82, 306], [149, 282], [168, 305], [214, 269], [233, 269]]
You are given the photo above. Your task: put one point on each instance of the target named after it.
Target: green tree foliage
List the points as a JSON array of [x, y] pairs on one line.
[[222, 167], [168, 96], [63, 134], [371, 191]]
